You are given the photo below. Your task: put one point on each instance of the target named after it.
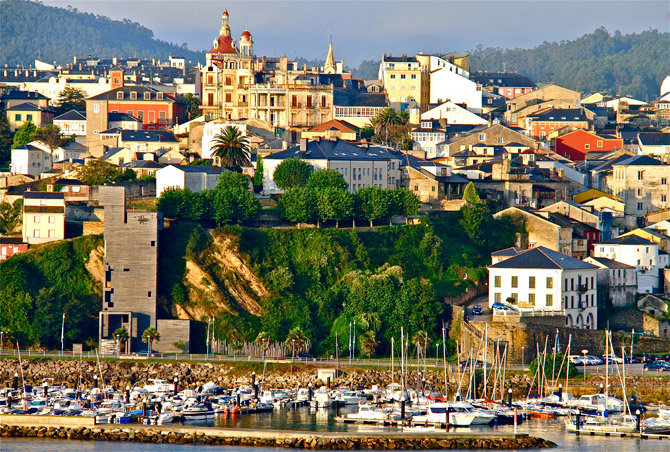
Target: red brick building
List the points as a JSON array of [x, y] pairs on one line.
[[10, 246], [156, 110], [541, 124], [575, 145]]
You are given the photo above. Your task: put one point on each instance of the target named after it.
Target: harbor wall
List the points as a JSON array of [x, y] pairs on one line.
[[46, 421]]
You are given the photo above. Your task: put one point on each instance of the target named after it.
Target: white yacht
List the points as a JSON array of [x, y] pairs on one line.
[[461, 414], [158, 385], [599, 403], [352, 397], [371, 413]]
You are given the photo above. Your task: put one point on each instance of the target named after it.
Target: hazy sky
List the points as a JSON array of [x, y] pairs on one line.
[[365, 30]]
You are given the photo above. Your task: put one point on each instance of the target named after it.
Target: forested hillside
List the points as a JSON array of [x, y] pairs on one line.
[[32, 31], [265, 280], [631, 65]]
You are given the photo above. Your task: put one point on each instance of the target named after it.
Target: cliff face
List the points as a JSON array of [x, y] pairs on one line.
[[219, 281]]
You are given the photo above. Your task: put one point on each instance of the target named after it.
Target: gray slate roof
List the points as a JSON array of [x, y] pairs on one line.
[[627, 240], [334, 150], [543, 258], [72, 115], [609, 263], [148, 135]]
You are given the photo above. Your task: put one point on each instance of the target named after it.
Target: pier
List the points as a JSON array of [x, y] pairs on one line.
[[16, 426]]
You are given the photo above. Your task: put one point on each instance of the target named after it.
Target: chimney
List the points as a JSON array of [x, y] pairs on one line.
[[303, 144]]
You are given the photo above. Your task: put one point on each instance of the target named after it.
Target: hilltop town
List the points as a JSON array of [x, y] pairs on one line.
[[183, 207]]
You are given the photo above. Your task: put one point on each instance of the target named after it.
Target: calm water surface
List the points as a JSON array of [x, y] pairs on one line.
[[323, 420]]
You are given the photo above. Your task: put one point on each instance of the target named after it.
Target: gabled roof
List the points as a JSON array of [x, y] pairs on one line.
[[72, 115], [111, 152], [27, 106], [654, 138], [502, 79], [640, 160], [18, 94], [609, 263], [115, 117], [560, 115], [148, 135], [627, 240], [334, 149], [112, 95], [512, 251], [208, 169], [336, 124], [543, 258], [43, 195]]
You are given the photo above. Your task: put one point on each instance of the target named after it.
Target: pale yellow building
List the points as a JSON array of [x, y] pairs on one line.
[[43, 217], [238, 85], [406, 79]]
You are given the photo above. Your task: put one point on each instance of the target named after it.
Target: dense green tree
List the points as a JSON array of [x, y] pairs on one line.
[[50, 136], [169, 202], [6, 137], [296, 339], [258, 174], [71, 98], [99, 172], [293, 172], [283, 314], [474, 220], [191, 105], [326, 178], [150, 335], [234, 206], [470, 194], [333, 204], [229, 180], [232, 148], [372, 203], [368, 343], [298, 205], [24, 134], [10, 216]]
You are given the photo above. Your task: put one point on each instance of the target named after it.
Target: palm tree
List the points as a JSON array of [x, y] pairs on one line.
[[232, 148], [264, 339], [150, 335], [298, 335], [384, 121], [368, 321], [121, 335], [368, 343]]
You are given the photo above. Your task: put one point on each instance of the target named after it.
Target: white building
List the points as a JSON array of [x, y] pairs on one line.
[[33, 158], [361, 165], [194, 177], [615, 280], [449, 82], [453, 114], [72, 122], [544, 280], [427, 136], [637, 252]]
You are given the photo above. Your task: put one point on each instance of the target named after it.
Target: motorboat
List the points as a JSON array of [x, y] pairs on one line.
[[198, 410], [598, 403], [352, 397], [322, 397], [461, 414], [371, 413], [158, 385]]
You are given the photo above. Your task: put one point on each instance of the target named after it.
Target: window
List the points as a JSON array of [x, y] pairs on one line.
[[36, 233], [52, 233], [294, 101], [664, 181], [324, 102], [17, 117], [210, 98], [587, 146], [500, 140], [550, 300], [159, 96], [640, 206], [29, 117], [640, 175], [119, 95], [147, 96], [496, 297], [229, 81], [664, 198], [153, 243], [133, 95], [497, 280], [96, 108], [515, 282], [393, 76], [52, 219], [140, 115], [229, 97], [531, 282], [515, 296], [309, 101], [413, 76], [482, 136], [162, 115], [416, 188], [550, 282], [600, 143], [531, 299], [36, 219]]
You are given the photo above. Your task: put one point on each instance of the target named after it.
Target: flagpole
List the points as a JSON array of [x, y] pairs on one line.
[[62, 335]]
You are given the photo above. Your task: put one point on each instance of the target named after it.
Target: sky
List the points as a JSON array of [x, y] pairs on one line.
[[363, 30]]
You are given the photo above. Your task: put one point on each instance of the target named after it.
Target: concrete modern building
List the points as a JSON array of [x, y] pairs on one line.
[[43, 217], [361, 164], [544, 281], [194, 177]]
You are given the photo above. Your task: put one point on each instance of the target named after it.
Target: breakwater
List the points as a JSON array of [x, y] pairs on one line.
[[283, 439]]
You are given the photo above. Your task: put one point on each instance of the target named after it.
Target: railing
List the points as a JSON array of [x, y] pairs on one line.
[[527, 313]]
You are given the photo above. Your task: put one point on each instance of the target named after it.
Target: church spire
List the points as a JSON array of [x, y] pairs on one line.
[[225, 28], [329, 66]]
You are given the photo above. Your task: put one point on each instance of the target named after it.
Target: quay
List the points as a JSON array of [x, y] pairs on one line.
[[32, 426], [622, 434]]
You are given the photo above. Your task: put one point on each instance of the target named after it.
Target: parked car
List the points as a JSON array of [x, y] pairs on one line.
[[576, 360], [501, 307], [476, 310], [645, 357], [593, 360], [657, 365], [612, 359], [631, 360]]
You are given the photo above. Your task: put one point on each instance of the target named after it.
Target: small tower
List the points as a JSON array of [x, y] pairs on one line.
[[330, 67], [225, 27], [246, 44], [116, 78]]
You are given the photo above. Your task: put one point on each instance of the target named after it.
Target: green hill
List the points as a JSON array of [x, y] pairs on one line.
[[32, 31], [632, 65], [271, 280]]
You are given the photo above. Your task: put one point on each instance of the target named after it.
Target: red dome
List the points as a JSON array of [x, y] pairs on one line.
[[225, 12], [224, 45], [246, 34]]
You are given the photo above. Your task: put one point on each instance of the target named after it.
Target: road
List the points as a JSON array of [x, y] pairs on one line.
[[485, 316]]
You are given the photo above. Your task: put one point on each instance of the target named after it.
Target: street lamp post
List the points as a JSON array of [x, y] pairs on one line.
[[118, 346], [523, 358], [437, 354], [584, 352], [293, 353], [263, 351], [2, 342]]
